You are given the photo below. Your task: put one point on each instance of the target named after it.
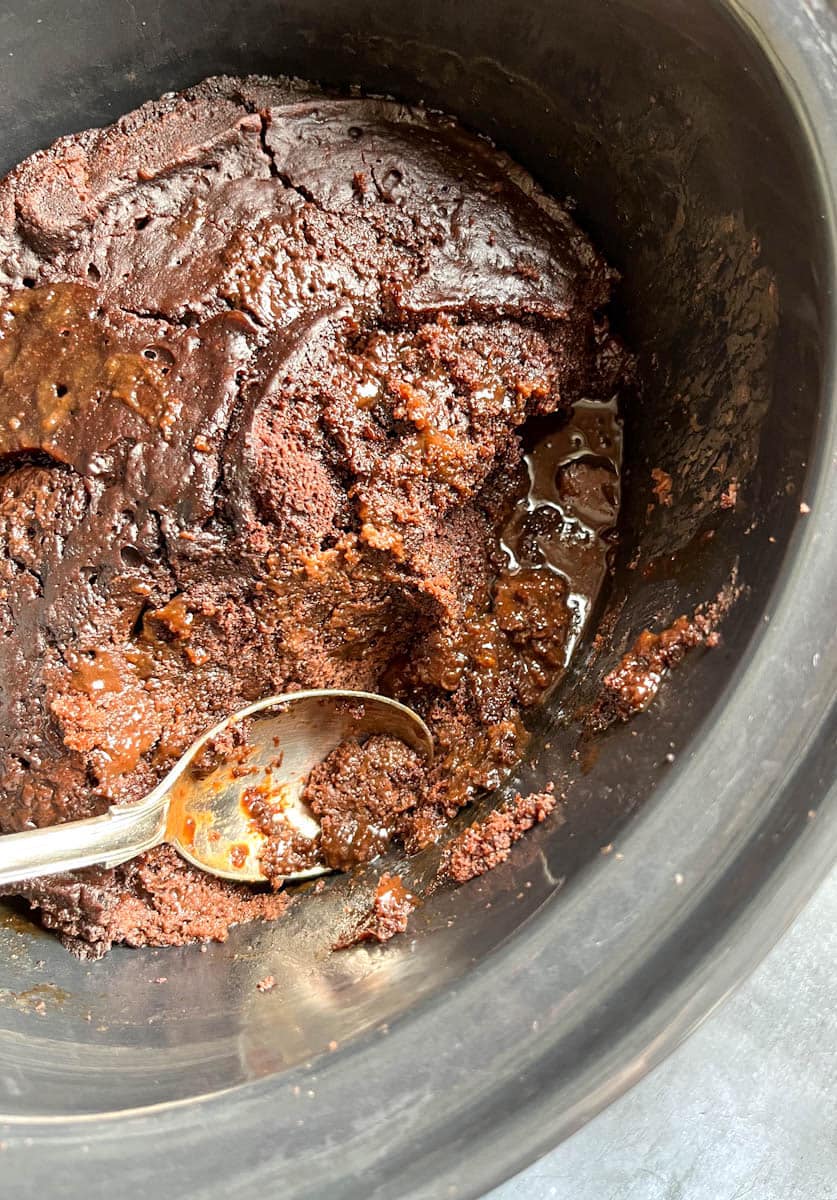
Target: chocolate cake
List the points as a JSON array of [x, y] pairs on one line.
[[265, 359]]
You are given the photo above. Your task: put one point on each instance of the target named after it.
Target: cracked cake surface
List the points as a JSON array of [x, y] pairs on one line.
[[265, 356]]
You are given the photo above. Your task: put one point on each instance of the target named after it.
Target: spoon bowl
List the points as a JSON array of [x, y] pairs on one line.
[[210, 818], [205, 806]]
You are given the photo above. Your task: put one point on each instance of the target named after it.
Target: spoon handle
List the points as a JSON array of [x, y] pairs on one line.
[[121, 833]]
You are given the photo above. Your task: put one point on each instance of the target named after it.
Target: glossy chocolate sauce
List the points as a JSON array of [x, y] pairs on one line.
[[566, 521]]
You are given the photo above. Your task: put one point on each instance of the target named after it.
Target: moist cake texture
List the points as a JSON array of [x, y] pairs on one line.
[[265, 356]]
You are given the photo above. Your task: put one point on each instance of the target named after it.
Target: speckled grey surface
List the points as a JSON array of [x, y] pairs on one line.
[[744, 1110]]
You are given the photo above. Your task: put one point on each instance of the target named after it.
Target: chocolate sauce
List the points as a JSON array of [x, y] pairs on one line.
[[565, 521]]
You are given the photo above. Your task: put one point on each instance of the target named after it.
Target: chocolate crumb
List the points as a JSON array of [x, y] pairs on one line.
[[389, 914], [631, 686], [487, 843]]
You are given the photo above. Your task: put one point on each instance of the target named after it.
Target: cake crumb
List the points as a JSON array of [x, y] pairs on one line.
[[267, 984], [634, 682], [391, 908], [487, 843]]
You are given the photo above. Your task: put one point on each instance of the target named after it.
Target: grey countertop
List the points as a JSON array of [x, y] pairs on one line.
[[746, 1109]]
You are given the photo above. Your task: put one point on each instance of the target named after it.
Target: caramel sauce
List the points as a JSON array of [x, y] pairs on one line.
[[96, 674], [189, 831], [176, 616], [57, 359], [123, 747], [239, 853], [391, 892]]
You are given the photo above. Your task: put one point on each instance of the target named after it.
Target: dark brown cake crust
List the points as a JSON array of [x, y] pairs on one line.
[[263, 357]]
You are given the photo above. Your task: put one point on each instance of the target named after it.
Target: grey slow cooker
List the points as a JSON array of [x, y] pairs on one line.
[[697, 138]]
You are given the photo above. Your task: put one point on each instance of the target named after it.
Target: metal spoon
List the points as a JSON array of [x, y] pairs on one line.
[[202, 812]]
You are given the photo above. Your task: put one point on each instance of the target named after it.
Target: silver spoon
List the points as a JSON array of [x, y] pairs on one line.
[[204, 813]]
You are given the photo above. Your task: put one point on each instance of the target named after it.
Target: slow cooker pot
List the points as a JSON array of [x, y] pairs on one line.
[[697, 140]]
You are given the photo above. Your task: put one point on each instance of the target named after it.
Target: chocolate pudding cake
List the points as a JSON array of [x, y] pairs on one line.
[[285, 379]]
